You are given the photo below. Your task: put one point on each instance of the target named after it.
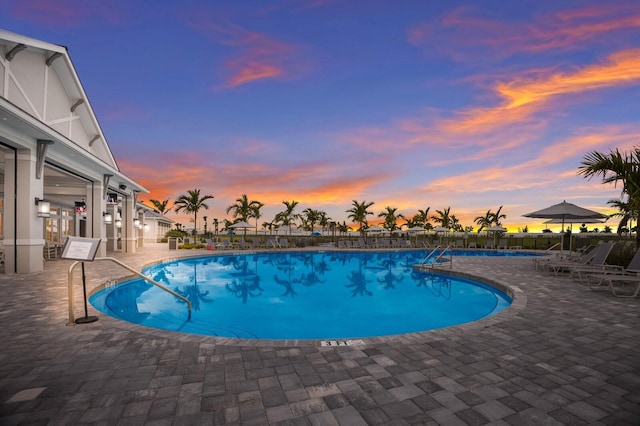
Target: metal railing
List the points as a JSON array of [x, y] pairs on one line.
[[438, 253], [128, 268]]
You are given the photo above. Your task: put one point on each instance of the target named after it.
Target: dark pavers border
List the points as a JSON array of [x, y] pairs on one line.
[[566, 356]]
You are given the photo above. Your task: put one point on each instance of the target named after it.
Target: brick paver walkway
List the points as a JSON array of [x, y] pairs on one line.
[[561, 355]]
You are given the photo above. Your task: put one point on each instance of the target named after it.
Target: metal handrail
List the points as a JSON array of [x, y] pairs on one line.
[[435, 249], [128, 268], [439, 256], [450, 249]]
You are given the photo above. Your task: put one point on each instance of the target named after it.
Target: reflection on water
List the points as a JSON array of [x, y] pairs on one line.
[[306, 295]]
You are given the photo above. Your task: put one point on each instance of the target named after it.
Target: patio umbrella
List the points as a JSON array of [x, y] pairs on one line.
[[495, 230], [242, 225], [441, 229], [415, 230], [566, 212]]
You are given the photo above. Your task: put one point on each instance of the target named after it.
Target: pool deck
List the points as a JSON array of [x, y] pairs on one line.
[[562, 354]]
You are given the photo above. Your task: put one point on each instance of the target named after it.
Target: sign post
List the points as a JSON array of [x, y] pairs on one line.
[[82, 249]]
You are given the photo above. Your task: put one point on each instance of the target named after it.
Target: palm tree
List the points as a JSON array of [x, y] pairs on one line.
[[311, 217], [391, 218], [287, 217], [192, 202], [617, 167], [444, 218], [497, 217], [484, 221], [160, 206], [244, 209], [422, 218], [359, 212]]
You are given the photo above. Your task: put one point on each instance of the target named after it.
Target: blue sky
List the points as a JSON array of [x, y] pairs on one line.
[[471, 105]]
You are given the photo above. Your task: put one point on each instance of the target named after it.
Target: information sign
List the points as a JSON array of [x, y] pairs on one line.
[[80, 248]]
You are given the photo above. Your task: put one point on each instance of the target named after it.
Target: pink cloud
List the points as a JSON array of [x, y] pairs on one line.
[[467, 34], [256, 56]]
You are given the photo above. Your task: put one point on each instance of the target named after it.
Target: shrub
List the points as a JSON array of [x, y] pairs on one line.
[[191, 246]]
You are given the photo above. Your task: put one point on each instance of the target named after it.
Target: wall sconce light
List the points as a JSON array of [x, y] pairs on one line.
[[44, 207], [136, 223], [146, 227], [108, 218], [118, 223]]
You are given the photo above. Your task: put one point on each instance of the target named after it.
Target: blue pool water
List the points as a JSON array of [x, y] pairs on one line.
[[302, 295]]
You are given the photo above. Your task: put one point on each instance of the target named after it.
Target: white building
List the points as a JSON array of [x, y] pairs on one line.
[[53, 152]]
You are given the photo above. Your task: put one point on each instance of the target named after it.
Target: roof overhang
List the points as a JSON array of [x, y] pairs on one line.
[[21, 130]]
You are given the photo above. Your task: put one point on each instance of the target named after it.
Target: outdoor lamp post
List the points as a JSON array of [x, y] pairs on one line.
[[205, 225], [215, 226]]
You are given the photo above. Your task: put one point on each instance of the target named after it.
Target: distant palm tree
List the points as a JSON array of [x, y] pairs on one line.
[[391, 218], [359, 212], [422, 218], [484, 221], [287, 217], [160, 206], [444, 218], [192, 202], [497, 217], [311, 217], [244, 209]]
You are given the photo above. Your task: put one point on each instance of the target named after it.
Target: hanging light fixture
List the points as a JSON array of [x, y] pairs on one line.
[[108, 218], [44, 207], [136, 223]]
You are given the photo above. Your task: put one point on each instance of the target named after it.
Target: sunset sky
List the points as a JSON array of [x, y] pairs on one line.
[[409, 104]]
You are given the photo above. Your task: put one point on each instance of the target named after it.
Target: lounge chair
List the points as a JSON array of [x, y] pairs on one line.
[[459, 244], [224, 245], [598, 264], [603, 280], [273, 243], [570, 259], [597, 256], [503, 245], [489, 244], [473, 245]]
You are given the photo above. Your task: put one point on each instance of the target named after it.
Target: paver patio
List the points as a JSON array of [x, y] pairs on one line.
[[561, 355]]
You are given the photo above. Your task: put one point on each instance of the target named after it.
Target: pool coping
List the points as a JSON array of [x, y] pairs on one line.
[[517, 295]]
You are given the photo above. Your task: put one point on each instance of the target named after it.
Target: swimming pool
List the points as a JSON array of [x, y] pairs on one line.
[[301, 295]]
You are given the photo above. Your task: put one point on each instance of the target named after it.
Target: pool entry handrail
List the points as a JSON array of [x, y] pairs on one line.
[[437, 253], [128, 268]]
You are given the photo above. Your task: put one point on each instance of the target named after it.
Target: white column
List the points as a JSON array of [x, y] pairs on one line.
[[95, 220], [23, 244], [128, 230]]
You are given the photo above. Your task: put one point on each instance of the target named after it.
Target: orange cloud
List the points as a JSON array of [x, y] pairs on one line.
[[523, 96], [537, 172]]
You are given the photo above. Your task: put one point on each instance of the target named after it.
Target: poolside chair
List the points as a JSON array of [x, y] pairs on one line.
[[489, 244], [503, 244], [459, 244], [273, 243], [597, 256], [561, 258], [598, 264], [631, 272], [224, 245], [473, 245]]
